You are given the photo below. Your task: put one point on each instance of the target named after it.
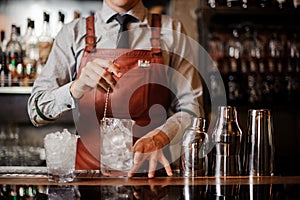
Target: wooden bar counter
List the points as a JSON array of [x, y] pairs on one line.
[[91, 185]]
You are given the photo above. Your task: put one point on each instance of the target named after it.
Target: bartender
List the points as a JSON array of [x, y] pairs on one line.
[[161, 90]]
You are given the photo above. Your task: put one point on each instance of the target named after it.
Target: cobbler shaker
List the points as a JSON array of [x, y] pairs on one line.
[[194, 160], [258, 144], [226, 138]]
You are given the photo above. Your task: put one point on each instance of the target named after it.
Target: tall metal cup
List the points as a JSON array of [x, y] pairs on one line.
[[258, 144]]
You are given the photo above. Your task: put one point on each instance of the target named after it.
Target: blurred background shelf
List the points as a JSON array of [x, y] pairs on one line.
[[15, 90]]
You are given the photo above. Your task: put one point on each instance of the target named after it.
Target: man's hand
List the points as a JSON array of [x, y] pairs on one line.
[[96, 74], [150, 148]]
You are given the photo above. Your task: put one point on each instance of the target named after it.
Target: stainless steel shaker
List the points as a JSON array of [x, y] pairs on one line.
[[194, 160], [258, 144], [226, 138]]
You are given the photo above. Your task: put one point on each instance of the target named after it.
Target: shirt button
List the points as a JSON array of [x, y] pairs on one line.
[[69, 106]]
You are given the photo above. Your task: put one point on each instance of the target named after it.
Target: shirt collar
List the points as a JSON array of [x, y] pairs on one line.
[[139, 12]]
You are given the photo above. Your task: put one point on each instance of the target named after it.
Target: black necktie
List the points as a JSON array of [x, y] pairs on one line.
[[123, 35]]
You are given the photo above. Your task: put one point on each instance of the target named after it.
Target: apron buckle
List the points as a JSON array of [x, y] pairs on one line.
[[143, 63]]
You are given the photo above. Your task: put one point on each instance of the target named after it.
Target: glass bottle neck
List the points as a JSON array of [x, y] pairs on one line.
[[46, 29]]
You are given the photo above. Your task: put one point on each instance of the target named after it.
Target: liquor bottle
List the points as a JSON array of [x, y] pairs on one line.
[[275, 79], [290, 76], [254, 85], [76, 14], [3, 40], [31, 44], [233, 83], [267, 82], [293, 44], [31, 55], [3, 70], [45, 40], [233, 46], [14, 58], [212, 3], [293, 56], [259, 46], [25, 37], [61, 21], [276, 48], [248, 43]]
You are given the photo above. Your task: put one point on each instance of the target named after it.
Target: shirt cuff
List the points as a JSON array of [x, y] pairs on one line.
[[176, 125], [64, 98]]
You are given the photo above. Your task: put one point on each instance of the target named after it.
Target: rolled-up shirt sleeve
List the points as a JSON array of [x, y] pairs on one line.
[[50, 97]]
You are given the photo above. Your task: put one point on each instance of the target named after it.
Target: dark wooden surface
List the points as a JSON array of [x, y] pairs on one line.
[[158, 181]]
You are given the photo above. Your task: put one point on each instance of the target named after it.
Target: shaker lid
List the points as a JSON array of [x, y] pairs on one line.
[[199, 122]]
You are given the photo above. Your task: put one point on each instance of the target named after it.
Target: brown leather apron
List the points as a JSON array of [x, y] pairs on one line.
[[142, 86]]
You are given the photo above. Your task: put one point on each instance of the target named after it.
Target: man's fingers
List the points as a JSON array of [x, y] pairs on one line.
[[107, 76], [138, 160], [109, 66], [102, 86], [164, 161], [152, 164]]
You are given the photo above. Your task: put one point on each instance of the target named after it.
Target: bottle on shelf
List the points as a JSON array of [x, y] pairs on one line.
[[212, 3], [254, 85], [234, 93], [274, 79], [267, 81], [31, 56], [14, 58], [3, 69], [76, 14], [275, 46], [248, 43], [291, 78], [25, 37], [294, 55], [45, 40], [237, 3], [234, 46], [61, 21], [3, 40], [259, 46], [293, 50]]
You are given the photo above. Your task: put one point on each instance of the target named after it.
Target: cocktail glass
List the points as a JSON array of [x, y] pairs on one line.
[[116, 146], [60, 148]]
